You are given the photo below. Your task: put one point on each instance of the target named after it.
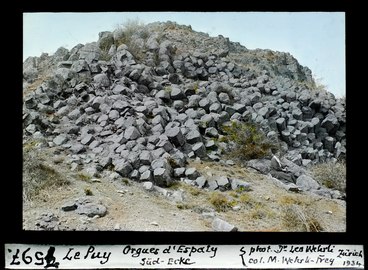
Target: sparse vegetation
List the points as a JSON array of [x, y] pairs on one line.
[[184, 206], [84, 176], [245, 198], [168, 89], [296, 218], [172, 162], [331, 175], [105, 56], [128, 32], [126, 181], [37, 176], [88, 191], [221, 202], [248, 139]]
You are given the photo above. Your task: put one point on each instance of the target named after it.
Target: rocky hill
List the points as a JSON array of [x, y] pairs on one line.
[[144, 101]]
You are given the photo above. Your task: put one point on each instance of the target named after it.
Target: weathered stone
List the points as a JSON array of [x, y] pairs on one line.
[[212, 184], [87, 139], [161, 177], [101, 80], [176, 93], [297, 114], [261, 165], [131, 133], [224, 98], [330, 123], [199, 149], [281, 124], [215, 108], [134, 175], [124, 168], [179, 172], [31, 128], [212, 132], [193, 136], [145, 158], [206, 121], [175, 136], [163, 94], [161, 163], [329, 143], [191, 173], [222, 182], [105, 162], [306, 182], [178, 105], [147, 185], [48, 221], [201, 181], [64, 74], [211, 145], [146, 176], [220, 225], [204, 103], [178, 158], [239, 108], [290, 96], [69, 206], [165, 144], [193, 101], [91, 209], [237, 184], [60, 139], [77, 148]]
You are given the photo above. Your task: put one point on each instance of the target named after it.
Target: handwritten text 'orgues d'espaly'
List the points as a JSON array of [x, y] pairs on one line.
[[181, 254]]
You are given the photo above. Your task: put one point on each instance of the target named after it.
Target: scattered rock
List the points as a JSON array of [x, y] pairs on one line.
[[220, 225], [69, 206], [148, 186], [306, 182], [89, 208]]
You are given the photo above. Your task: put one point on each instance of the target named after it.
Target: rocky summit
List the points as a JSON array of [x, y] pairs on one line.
[[140, 105]]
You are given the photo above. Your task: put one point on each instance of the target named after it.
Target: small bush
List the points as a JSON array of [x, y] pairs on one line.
[[172, 162], [126, 181], [129, 29], [295, 218], [221, 202], [331, 175], [184, 206], [38, 176], [88, 191], [249, 141], [105, 56]]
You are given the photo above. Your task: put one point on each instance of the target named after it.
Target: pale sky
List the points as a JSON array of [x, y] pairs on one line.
[[315, 39]]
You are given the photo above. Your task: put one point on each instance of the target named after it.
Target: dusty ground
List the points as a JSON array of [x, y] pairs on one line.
[[265, 207]]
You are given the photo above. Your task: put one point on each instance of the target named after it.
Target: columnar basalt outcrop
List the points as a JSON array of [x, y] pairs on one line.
[[144, 108]]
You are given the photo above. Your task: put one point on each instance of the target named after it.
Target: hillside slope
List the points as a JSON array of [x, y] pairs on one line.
[[166, 105]]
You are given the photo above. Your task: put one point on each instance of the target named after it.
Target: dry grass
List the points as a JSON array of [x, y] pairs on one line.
[[127, 30], [88, 191], [38, 176], [297, 218], [331, 175], [42, 76], [84, 176], [221, 202]]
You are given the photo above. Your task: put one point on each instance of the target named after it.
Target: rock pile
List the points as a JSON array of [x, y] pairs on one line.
[[144, 116]]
